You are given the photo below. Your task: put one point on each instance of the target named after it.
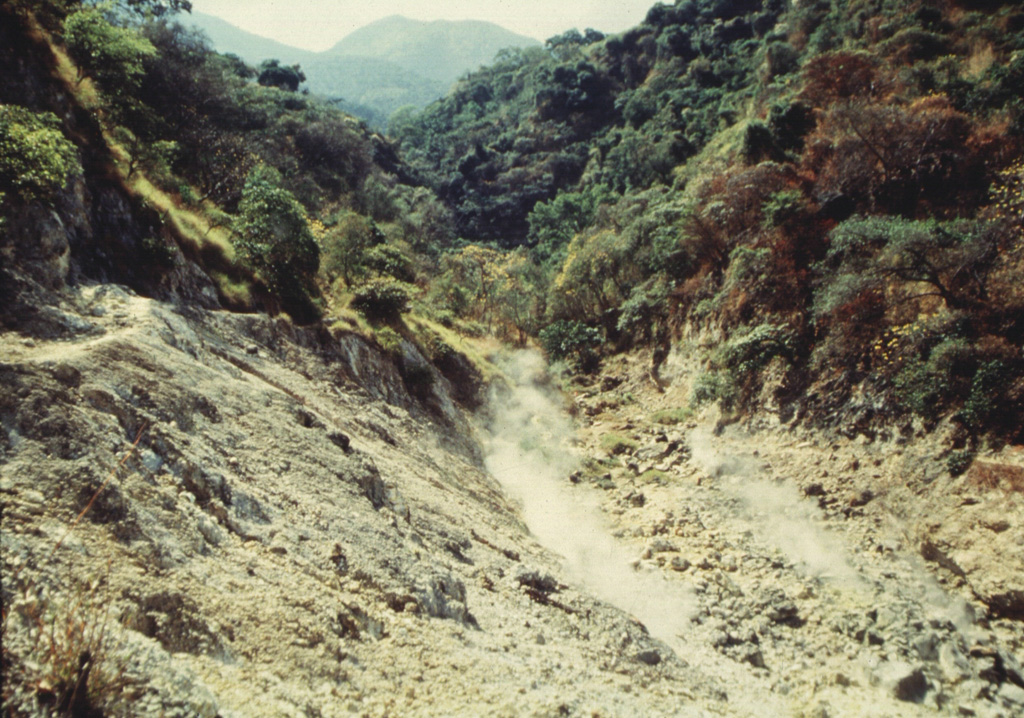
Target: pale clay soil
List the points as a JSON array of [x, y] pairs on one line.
[[295, 536]]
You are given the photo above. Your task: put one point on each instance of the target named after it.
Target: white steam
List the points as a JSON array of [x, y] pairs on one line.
[[776, 512], [530, 452]]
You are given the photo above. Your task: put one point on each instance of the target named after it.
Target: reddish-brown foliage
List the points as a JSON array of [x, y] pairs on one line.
[[834, 76], [895, 158]]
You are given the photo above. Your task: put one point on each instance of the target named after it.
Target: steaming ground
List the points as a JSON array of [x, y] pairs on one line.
[[530, 450], [793, 588]]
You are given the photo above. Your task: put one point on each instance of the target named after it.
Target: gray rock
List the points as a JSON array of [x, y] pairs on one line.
[[903, 680], [927, 646], [678, 563], [1012, 696], [649, 657], [953, 663], [443, 596], [531, 577]]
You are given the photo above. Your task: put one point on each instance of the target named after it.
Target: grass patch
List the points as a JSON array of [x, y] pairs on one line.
[[616, 444], [476, 349], [653, 476], [671, 417], [237, 293]]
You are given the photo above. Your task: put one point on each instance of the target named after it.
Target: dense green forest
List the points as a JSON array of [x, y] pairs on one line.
[[831, 193]]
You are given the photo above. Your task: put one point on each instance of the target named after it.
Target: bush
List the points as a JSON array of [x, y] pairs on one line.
[[382, 299], [113, 55], [273, 238], [390, 261], [35, 157], [750, 351], [389, 340], [645, 304], [570, 340], [959, 461], [715, 386]]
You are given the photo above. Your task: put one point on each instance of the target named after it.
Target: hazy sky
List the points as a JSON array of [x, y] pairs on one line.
[[318, 24]]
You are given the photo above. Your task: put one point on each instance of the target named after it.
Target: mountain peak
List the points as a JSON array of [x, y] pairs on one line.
[[439, 49]]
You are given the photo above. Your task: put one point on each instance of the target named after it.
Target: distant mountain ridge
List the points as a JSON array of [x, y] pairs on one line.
[[441, 49], [376, 69]]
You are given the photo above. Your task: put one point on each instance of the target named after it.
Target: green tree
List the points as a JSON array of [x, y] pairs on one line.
[[274, 74], [906, 260], [273, 238], [111, 55], [35, 156], [553, 224]]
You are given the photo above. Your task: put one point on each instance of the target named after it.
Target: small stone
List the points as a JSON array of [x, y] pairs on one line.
[[252, 349], [754, 657], [953, 663], [910, 683], [927, 646], [661, 546], [679, 563], [650, 658]]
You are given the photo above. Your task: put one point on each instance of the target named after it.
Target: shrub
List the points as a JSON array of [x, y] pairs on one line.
[[908, 260], [959, 461], [646, 303], [273, 237], [382, 299], [35, 157], [782, 206], [571, 340], [750, 351], [390, 261], [389, 340], [715, 386], [113, 55], [58, 654]]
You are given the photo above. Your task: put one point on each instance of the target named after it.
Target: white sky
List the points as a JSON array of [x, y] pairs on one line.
[[319, 24]]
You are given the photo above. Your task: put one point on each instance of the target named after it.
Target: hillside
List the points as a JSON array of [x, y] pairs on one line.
[[831, 193], [392, 63], [670, 373], [254, 49], [441, 50]]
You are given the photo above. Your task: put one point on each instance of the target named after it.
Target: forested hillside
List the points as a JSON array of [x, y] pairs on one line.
[[829, 194], [833, 188]]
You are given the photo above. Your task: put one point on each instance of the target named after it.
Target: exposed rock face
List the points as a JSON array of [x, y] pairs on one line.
[[292, 533]]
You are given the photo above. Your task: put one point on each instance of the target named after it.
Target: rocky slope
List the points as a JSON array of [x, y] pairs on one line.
[[847, 577], [293, 533]]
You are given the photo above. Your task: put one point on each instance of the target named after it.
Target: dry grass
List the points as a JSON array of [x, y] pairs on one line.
[[57, 649], [982, 57], [476, 349], [990, 475]]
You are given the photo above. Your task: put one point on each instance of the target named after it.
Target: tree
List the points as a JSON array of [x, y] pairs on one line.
[[273, 238], [112, 55], [273, 74], [903, 260], [553, 224], [35, 157]]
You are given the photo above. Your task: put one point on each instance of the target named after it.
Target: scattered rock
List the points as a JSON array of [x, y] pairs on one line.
[[649, 657]]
